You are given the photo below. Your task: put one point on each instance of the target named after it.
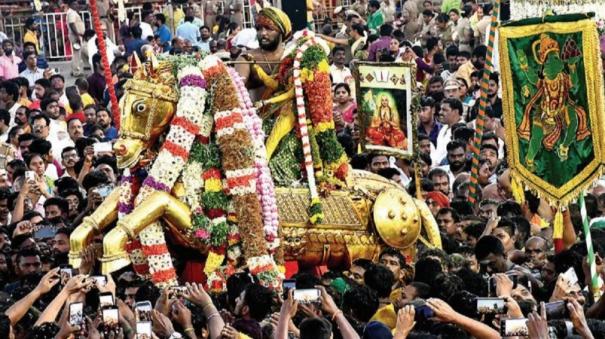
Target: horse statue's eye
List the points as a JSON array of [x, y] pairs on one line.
[[140, 107]]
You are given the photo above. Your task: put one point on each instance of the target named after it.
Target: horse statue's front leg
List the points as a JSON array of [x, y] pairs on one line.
[[159, 205], [102, 217]]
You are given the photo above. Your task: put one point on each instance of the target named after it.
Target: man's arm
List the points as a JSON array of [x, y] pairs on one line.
[[243, 69]]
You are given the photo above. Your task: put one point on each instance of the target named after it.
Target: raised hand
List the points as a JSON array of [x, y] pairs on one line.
[[48, 281]]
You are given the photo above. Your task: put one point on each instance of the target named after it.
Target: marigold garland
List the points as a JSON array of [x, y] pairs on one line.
[[238, 156]]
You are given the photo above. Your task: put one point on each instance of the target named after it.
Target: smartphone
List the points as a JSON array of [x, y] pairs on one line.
[[100, 280], [76, 314], [513, 327], [556, 310], [142, 311], [143, 330], [110, 318], [106, 300], [307, 296], [66, 273], [423, 313], [491, 306], [102, 147], [44, 232], [176, 292], [287, 285], [104, 190], [30, 176]]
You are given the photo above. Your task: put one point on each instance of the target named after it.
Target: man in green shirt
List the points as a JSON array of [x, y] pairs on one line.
[[376, 18]]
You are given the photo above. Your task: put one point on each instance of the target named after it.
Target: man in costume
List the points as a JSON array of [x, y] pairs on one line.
[[552, 120], [273, 28]]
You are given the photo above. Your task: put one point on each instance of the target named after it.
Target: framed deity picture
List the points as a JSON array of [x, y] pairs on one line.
[[384, 101]]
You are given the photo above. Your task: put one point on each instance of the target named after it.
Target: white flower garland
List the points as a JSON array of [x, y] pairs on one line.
[[265, 187], [168, 167]]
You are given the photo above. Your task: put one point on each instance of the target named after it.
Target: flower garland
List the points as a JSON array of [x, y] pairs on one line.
[[264, 181], [129, 188], [238, 163], [522, 9], [168, 166], [325, 159]]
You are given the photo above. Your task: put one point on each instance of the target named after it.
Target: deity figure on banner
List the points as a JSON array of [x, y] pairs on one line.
[[384, 129], [552, 119]]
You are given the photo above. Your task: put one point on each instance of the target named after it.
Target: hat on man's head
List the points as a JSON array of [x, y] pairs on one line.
[[451, 84], [276, 19]]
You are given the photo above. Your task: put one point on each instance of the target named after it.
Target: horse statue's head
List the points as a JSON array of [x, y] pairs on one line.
[[147, 107]]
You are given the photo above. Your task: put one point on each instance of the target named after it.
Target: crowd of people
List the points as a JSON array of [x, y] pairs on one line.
[[57, 166]]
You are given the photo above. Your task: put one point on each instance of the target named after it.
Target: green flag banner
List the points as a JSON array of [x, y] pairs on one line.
[[553, 104]]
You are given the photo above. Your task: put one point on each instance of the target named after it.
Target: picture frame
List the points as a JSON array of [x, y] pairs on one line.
[[385, 93]]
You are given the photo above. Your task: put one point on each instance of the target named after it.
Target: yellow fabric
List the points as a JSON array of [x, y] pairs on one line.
[[87, 100], [536, 219], [283, 125], [395, 294], [279, 18], [518, 192], [24, 102], [386, 315], [558, 225], [266, 79], [465, 70], [31, 36]]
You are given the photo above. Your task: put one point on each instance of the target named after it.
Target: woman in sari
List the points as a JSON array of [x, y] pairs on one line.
[[345, 107]]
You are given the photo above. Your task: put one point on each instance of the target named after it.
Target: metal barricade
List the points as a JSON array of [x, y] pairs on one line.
[[54, 36]]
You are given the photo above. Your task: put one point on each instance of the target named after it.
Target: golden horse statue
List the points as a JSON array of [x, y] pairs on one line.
[[370, 213]]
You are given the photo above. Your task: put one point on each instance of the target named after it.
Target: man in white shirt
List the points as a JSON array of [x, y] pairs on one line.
[[32, 73], [56, 130], [76, 31], [112, 49], [147, 25], [9, 95], [4, 125], [339, 72], [451, 112]]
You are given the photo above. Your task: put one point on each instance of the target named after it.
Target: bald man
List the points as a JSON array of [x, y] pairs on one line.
[[501, 190], [535, 251]]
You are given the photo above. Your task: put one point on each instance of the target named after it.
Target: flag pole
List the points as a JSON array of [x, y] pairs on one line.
[[595, 289], [480, 120]]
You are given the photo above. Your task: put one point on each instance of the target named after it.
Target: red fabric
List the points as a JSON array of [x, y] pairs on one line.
[[194, 272], [291, 268], [77, 115], [438, 197], [559, 245]]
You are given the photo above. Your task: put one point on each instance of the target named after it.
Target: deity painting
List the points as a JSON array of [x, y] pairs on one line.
[[551, 104], [384, 97]]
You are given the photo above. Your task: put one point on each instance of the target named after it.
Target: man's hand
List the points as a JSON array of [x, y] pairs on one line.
[[181, 314], [537, 325], [289, 307], [162, 305], [23, 227], [229, 332], [88, 259], [443, 312], [162, 326], [514, 310], [327, 303], [576, 313], [75, 284], [126, 313], [405, 322], [197, 295], [110, 286], [48, 281], [504, 286]]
